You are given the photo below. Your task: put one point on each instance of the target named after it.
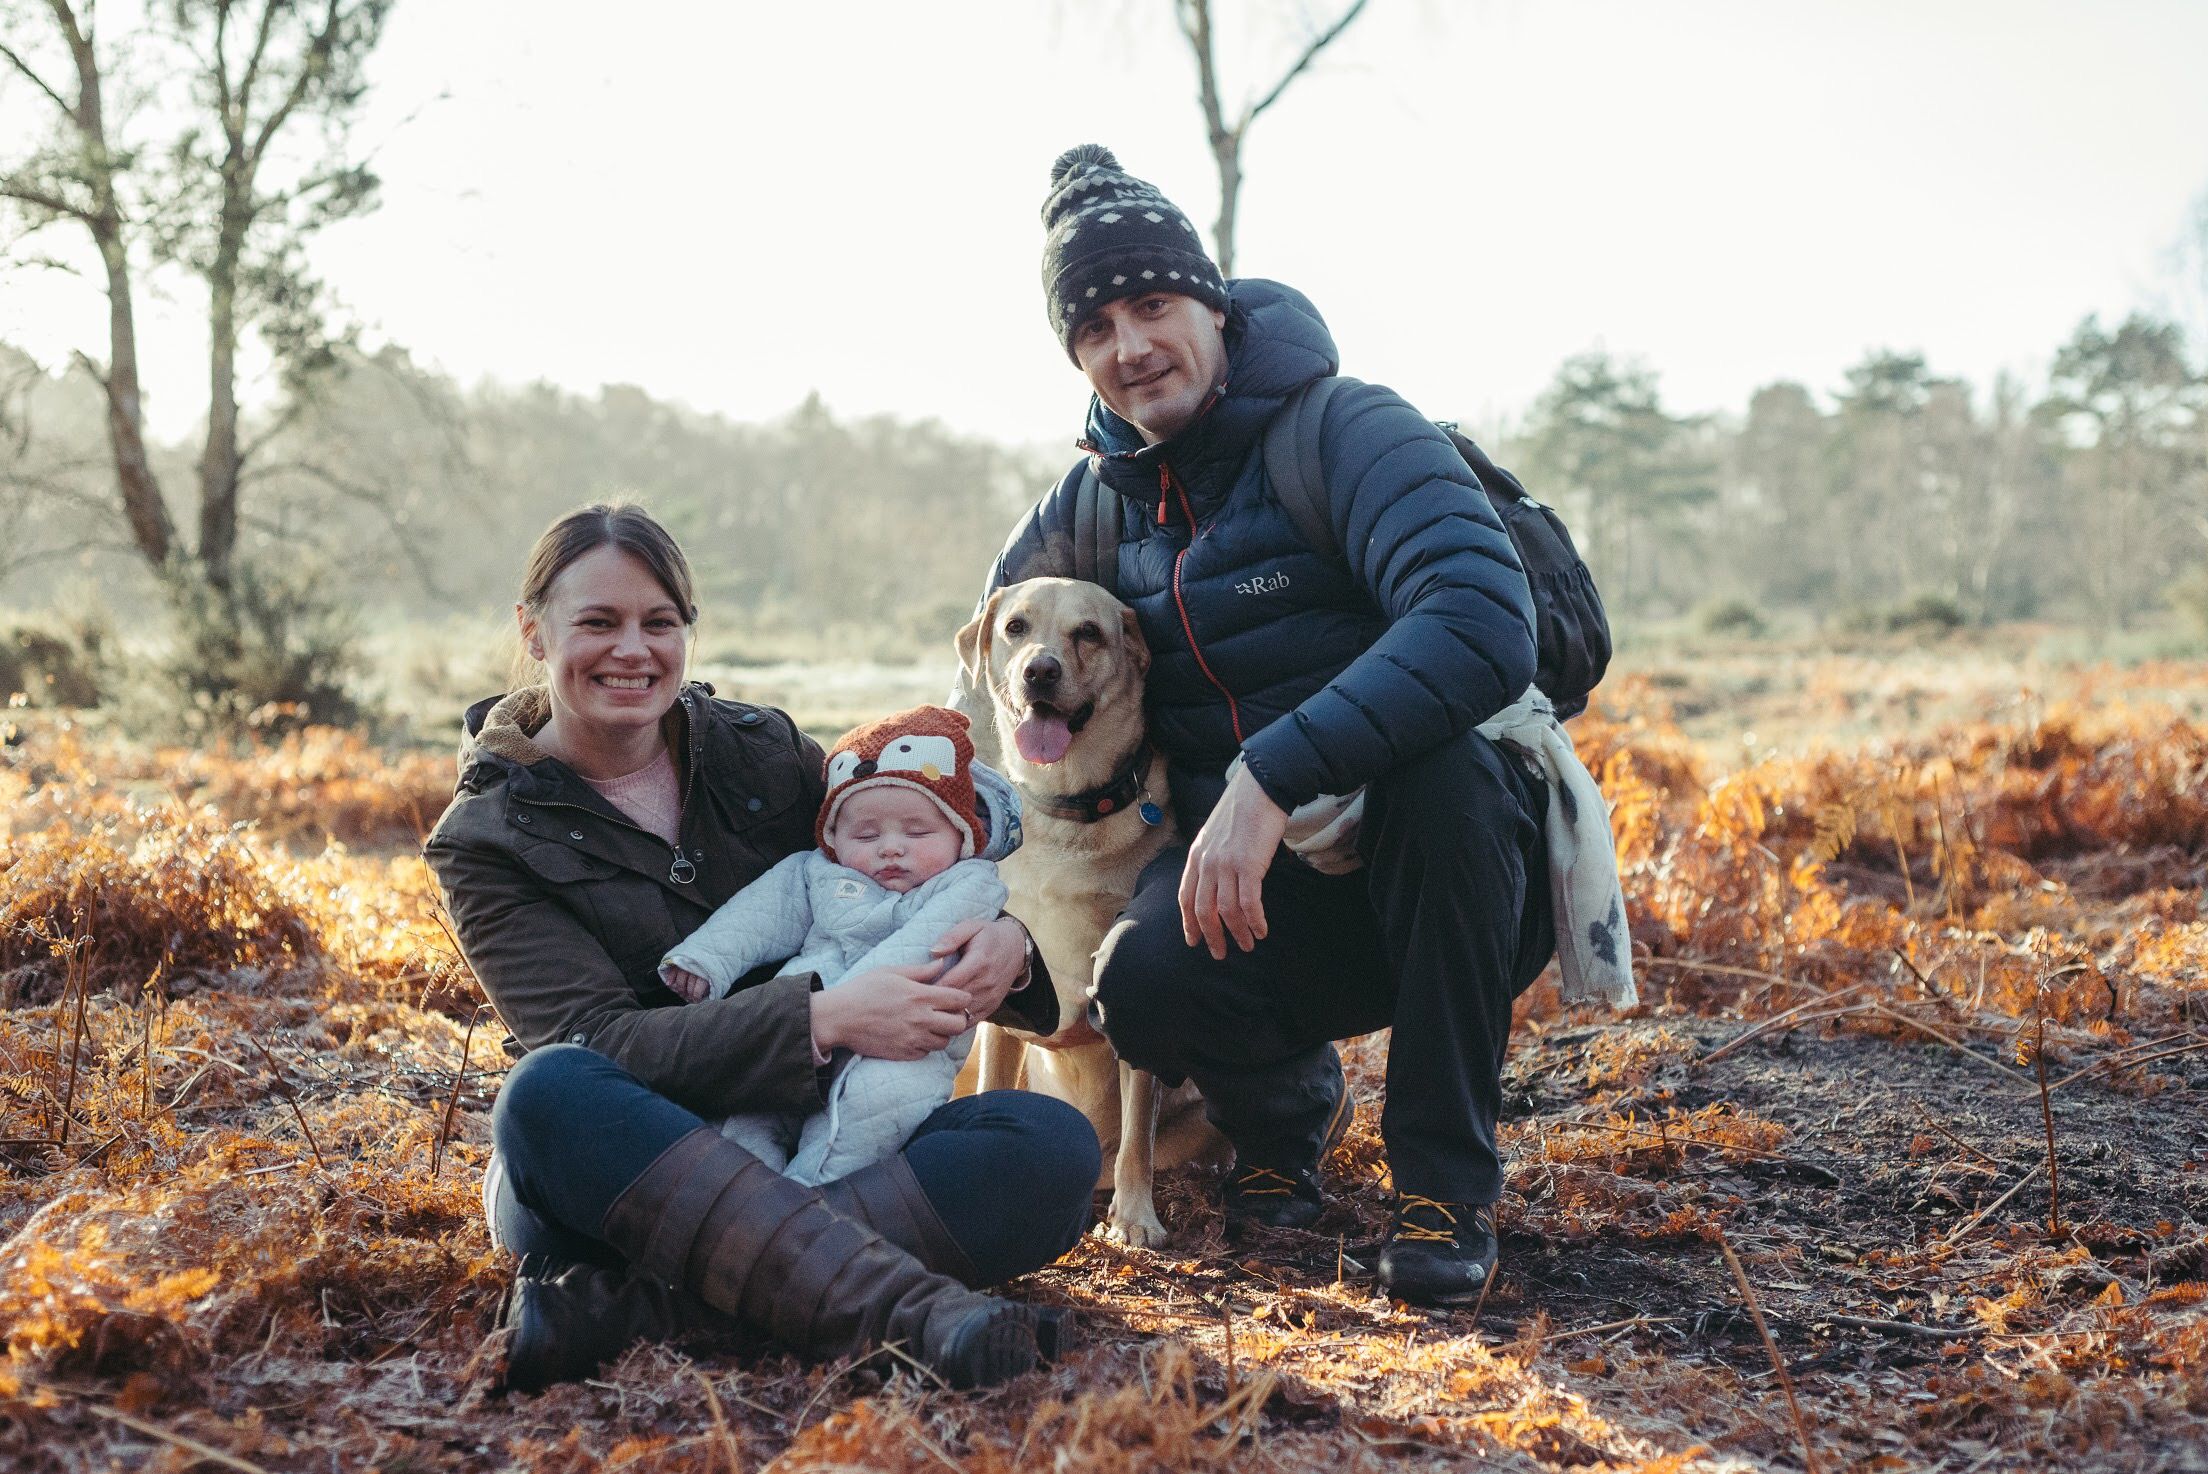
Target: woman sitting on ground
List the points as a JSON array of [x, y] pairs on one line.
[[601, 816]]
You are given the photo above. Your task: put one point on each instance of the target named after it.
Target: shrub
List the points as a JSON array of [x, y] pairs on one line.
[[275, 651], [1926, 614], [55, 664], [1730, 618]]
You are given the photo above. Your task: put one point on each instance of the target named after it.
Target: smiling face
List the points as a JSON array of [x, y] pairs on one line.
[[1153, 359], [895, 836], [1063, 663], [612, 639]]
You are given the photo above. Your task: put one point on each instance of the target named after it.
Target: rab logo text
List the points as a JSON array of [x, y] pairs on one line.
[[1264, 583]]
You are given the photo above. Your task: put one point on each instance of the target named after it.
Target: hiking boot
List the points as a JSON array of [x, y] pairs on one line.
[[723, 1225], [1287, 1197], [1268, 1199], [1438, 1253], [568, 1324]]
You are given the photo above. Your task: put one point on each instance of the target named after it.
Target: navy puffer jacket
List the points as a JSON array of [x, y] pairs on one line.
[[1323, 671]]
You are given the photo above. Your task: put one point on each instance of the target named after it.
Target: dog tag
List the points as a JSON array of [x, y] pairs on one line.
[[1152, 815]]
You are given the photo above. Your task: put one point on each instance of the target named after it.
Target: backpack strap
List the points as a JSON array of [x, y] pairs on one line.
[[1293, 467], [1095, 530]]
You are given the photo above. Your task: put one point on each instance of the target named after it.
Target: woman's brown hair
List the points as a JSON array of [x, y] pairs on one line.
[[624, 525]]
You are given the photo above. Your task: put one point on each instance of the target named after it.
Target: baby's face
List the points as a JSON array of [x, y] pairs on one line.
[[895, 837]]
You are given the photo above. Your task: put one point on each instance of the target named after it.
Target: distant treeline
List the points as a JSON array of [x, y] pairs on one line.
[[1897, 493], [414, 496]]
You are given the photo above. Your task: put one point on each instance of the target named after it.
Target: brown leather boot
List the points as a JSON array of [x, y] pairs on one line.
[[710, 1217], [887, 1198], [568, 1324]]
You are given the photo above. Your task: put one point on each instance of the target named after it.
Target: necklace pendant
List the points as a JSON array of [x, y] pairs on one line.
[[682, 872]]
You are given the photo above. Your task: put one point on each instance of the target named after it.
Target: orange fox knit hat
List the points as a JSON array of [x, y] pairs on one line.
[[927, 749]]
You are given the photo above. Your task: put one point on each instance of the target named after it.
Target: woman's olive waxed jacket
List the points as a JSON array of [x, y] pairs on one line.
[[564, 906]]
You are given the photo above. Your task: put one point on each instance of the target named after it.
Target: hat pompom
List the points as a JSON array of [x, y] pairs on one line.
[[1080, 157]]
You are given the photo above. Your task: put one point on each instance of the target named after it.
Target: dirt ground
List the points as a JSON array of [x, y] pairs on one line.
[[247, 1091]]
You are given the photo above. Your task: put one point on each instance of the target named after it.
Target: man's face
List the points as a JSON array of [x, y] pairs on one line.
[[1153, 359]]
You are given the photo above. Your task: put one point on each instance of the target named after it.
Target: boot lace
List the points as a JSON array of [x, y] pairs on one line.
[[1264, 1182], [1441, 1232]]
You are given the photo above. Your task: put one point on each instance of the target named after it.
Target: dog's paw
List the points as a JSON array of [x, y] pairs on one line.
[[1138, 1229]]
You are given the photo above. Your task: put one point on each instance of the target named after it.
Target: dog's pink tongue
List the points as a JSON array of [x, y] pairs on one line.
[[1043, 739]]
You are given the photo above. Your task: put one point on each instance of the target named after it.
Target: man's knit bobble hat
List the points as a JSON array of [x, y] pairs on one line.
[[928, 749], [1110, 235]]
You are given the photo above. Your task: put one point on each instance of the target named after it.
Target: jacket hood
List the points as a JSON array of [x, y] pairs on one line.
[[506, 727], [1276, 343], [500, 732]]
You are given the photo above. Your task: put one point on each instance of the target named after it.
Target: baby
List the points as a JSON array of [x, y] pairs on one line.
[[897, 867]]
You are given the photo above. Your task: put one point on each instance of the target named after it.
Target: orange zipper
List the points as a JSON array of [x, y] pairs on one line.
[[1180, 605]]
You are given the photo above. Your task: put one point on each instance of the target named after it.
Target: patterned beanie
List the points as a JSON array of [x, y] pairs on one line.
[[1110, 235], [926, 749]]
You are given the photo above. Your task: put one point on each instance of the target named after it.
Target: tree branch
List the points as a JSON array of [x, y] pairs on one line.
[[377, 500], [253, 63], [46, 555], [1195, 19], [1318, 44], [97, 374], [276, 427], [229, 106], [310, 65], [37, 81], [31, 195]]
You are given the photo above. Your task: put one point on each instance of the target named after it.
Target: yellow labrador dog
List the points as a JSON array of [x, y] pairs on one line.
[[1061, 664]]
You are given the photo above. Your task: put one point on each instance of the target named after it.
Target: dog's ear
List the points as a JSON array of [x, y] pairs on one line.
[[1138, 649], [973, 643]]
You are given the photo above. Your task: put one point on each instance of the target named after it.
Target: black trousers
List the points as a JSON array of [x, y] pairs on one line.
[[1448, 921]]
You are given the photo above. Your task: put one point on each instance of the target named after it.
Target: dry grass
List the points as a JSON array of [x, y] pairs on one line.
[[235, 1219]]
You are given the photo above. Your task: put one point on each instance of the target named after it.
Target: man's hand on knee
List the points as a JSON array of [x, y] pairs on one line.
[[1223, 883]]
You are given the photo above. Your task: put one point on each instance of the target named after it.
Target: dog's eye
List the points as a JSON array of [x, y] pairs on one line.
[[1015, 626], [1089, 632]]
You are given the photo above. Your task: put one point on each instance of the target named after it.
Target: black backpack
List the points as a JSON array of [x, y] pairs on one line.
[[1571, 632]]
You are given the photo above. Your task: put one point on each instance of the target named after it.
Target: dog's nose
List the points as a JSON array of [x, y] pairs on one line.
[[1042, 672]]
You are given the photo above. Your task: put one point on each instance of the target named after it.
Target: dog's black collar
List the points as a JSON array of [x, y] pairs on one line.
[[1124, 788]]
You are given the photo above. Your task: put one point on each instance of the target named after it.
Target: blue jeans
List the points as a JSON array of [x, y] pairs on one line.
[[1010, 1173]]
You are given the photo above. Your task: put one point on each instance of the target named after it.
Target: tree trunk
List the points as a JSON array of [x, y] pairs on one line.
[[143, 507], [219, 460], [1226, 150]]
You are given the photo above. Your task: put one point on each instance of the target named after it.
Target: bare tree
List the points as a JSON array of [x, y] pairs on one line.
[[1227, 136], [75, 175], [230, 193]]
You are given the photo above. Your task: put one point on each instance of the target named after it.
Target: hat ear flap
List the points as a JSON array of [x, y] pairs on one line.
[[973, 643]]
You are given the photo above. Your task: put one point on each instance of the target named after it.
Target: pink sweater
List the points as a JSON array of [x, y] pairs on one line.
[[650, 795]]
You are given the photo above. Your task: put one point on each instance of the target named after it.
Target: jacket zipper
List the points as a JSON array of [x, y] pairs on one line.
[[684, 870], [1180, 605]]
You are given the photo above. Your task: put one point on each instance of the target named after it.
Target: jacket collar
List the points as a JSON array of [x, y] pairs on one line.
[[1276, 343], [498, 742]]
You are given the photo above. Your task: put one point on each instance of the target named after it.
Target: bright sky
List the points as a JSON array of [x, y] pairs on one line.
[[732, 204]]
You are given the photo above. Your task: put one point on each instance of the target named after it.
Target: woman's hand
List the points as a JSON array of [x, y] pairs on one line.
[[891, 1013], [993, 961]]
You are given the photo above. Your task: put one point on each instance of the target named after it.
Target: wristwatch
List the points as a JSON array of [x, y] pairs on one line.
[[1027, 969]]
